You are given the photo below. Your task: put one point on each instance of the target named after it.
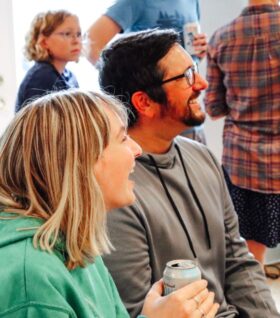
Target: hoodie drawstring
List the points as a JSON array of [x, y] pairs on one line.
[[174, 205], [195, 197]]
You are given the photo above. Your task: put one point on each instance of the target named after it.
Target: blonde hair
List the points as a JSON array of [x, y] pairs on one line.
[[47, 156], [44, 24]]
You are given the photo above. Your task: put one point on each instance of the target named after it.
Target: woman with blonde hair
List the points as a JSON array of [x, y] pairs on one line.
[[54, 39], [64, 160]]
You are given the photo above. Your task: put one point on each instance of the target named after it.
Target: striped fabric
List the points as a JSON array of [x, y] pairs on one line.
[[244, 85]]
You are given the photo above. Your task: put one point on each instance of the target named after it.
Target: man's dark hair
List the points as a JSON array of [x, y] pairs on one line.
[[129, 65]]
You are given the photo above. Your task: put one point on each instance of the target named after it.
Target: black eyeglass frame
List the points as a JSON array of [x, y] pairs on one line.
[[190, 77]]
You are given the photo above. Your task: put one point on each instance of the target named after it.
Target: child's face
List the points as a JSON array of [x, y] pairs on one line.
[[65, 43]]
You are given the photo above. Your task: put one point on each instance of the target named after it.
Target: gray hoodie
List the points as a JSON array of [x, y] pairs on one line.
[[150, 233]]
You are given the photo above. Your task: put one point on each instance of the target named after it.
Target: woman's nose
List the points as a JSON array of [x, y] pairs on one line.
[[136, 148]]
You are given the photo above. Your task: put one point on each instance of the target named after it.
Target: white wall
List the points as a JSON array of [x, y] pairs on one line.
[[7, 63]]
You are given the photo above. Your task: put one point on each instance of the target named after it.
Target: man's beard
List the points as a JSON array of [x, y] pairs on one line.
[[194, 119], [191, 116]]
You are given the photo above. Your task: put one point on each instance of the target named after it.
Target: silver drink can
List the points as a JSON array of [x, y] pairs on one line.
[[189, 31], [179, 273]]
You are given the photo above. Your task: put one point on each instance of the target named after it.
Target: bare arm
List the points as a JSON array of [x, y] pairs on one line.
[[98, 35]]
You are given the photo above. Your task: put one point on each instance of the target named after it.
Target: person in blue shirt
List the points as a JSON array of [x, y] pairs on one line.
[[54, 39], [137, 15]]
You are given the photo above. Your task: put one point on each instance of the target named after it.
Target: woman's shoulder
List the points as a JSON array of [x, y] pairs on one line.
[[17, 247], [32, 277], [98, 268]]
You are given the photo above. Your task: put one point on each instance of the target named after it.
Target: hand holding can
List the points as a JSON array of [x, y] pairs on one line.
[[193, 300], [189, 32], [195, 42], [200, 45], [179, 273]]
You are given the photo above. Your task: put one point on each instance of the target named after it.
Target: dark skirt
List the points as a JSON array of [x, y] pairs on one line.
[[258, 213]]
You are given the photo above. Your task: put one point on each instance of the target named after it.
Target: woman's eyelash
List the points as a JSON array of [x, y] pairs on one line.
[[125, 137]]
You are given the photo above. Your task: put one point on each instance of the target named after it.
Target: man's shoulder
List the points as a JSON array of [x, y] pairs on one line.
[[190, 145]]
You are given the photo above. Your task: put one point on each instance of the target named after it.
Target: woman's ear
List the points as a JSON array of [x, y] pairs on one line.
[[143, 104]]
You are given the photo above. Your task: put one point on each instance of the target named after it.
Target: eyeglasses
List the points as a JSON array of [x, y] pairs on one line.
[[189, 74], [70, 35]]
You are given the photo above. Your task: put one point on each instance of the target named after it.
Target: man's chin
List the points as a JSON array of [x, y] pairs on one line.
[[195, 121]]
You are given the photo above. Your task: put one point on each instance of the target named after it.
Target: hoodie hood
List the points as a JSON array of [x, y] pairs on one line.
[[14, 228], [165, 160]]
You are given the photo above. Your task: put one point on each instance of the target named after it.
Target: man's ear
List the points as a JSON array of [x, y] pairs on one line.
[[143, 104]]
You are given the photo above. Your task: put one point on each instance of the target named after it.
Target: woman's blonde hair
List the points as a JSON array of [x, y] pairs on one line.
[[47, 157], [44, 24]]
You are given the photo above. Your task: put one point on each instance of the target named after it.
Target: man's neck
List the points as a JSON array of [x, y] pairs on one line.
[[261, 2], [150, 143], [154, 138]]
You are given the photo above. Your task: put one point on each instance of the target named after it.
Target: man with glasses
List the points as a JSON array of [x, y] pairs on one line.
[[183, 209], [138, 15]]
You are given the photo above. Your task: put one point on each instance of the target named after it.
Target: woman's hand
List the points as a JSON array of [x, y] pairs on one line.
[[191, 301]]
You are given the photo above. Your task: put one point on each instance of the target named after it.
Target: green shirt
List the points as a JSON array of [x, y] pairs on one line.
[[35, 283]]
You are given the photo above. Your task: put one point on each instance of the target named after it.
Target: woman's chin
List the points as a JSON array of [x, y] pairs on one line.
[[128, 200]]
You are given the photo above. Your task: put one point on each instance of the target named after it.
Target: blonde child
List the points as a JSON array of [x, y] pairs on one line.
[[54, 39]]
